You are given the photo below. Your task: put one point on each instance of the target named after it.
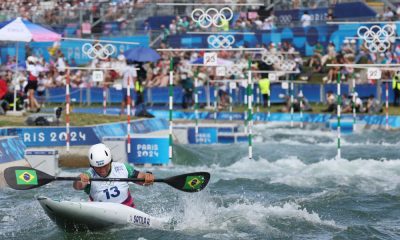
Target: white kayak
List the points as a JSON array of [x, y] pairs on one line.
[[78, 216]]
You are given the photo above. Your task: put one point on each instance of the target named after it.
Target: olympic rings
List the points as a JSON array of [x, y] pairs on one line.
[[211, 16], [233, 70], [220, 41], [377, 39], [288, 65], [285, 19], [98, 50], [271, 58]]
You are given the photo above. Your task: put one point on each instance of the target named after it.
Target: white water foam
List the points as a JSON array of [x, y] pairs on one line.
[[222, 219], [367, 175]]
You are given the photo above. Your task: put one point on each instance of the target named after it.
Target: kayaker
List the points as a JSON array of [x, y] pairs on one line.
[[101, 165]]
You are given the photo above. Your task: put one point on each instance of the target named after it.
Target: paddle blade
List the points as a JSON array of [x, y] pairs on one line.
[[24, 178], [190, 182]]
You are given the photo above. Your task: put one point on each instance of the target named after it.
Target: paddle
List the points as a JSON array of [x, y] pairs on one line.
[[24, 178]]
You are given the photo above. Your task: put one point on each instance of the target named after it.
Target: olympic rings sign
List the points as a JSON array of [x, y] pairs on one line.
[[98, 50], [221, 41], [271, 58], [211, 16], [233, 70], [288, 65], [377, 39]]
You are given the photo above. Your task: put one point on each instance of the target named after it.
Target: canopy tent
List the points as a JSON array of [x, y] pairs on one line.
[[21, 30]]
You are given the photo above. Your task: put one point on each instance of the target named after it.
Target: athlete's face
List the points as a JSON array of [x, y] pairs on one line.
[[103, 171]]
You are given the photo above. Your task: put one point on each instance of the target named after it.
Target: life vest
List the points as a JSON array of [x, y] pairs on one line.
[[264, 85], [138, 87], [117, 192], [396, 82]]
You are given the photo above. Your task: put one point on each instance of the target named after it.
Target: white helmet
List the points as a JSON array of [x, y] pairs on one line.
[[99, 155]]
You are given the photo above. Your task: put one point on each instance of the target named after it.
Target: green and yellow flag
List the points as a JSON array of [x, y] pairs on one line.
[[193, 182], [26, 177]]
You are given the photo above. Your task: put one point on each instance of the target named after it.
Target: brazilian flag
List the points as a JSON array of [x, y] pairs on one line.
[[26, 177], [193, 182]]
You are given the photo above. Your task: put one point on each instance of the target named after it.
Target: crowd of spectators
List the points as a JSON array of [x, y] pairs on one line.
[[53, 72], [61, 12]]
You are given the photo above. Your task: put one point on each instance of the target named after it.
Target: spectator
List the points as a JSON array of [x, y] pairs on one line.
[[388, 14], [306, 107], [396, 88], [305, 19], [331, 102], [3, 92], [398, 11], [32, 85], [129, 78], [346, 103], [165, 33], [147, 27], [187, 87], [173, 27], [373, 105], [264, 85], [358, 104]]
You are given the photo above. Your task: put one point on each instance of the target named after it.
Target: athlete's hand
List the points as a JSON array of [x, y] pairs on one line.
[[84, 178], [82, 182], [148, 179]]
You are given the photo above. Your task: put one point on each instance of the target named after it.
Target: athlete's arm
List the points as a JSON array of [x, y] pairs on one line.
[[132, 173]]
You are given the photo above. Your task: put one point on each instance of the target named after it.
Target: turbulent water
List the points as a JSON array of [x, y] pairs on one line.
[[294, 188]]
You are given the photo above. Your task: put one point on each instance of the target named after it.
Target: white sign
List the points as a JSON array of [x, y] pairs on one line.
[[272, 76], [285, 85], [98, 76], [147, 150], [210, 58], [374, 73], [220, 71]]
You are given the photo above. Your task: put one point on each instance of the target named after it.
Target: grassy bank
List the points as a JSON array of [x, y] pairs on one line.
[[76, 119], [81, 119]]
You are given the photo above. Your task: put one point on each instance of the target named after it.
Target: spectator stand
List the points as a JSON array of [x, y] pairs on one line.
[[375, 73], [376, 39], [96, 50]]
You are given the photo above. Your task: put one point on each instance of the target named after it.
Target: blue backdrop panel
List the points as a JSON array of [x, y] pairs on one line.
[[149, 150], [204, 135], [56, 136]]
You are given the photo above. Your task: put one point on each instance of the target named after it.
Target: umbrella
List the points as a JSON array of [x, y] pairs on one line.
[[141, 54], [20, 30]]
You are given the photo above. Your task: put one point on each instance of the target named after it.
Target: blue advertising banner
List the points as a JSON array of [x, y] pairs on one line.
[[205, 135], [56, 136], [149, 151], [11, 149], [313, 92], [73, 49]]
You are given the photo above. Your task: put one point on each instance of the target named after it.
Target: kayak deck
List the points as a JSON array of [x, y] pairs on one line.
[[83, 216]]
